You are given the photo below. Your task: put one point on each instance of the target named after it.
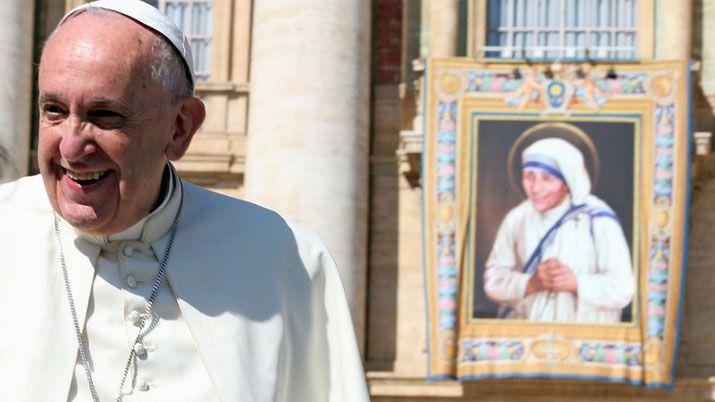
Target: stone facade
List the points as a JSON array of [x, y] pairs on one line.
[[371, 151]]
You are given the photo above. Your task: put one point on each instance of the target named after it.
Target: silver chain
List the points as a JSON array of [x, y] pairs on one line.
[[83, 351]]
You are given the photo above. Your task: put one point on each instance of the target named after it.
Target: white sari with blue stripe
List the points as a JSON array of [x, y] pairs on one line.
[[587, 238]]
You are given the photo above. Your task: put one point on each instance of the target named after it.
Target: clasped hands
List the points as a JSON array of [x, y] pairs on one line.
[[554, 276]]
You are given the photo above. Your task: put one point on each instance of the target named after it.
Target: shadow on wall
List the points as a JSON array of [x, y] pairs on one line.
[[6, 168]]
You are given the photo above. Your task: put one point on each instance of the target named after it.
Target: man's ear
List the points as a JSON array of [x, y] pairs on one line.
[[188, 120]]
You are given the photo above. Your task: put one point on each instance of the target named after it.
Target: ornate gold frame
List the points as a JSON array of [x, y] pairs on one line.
[[657, 93]]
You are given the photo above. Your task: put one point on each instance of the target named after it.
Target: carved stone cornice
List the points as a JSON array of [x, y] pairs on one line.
[[409, 152], [409, 156]]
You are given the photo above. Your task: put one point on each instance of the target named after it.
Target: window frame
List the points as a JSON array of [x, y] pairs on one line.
[[201, 75], [644, 34]]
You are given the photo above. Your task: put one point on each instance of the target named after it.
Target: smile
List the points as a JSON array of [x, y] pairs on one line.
[[88, 178]]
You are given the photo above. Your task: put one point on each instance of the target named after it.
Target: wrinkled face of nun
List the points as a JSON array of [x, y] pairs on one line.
[[545, 191]]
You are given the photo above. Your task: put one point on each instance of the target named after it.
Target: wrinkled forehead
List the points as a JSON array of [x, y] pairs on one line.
[[105, 27], [92, 57], [93, 36], [150, 18]]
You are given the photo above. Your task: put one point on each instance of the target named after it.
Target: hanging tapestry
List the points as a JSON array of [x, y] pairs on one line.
[[555, 202]]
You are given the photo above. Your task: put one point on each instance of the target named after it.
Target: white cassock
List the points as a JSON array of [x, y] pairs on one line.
[[593, 247], [252, 308]]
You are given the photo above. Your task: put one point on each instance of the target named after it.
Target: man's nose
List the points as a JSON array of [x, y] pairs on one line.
[[76, 143]]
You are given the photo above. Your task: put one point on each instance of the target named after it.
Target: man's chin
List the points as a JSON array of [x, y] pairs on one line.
[[85, 218]]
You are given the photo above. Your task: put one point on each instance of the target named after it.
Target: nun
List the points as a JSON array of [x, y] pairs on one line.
[[560, 255]]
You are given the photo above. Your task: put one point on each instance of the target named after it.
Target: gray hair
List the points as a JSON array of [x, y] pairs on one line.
[[167, 68]]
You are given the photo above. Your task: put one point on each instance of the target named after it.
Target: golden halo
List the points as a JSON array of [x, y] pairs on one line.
[[574, 135]]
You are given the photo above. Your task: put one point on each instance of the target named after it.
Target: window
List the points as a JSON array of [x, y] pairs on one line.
[[561, 29], [194, 17]]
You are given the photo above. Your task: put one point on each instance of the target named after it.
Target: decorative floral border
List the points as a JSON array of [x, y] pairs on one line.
[[505, 350]]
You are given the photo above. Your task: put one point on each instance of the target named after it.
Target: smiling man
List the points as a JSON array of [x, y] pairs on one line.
[[122, 282], [109, 120], [560, 255]]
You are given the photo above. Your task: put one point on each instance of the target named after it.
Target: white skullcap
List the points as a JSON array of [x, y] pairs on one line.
[[149, 16], [563, 160]]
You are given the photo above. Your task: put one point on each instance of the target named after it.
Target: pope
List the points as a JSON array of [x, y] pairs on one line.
[[121, 281]]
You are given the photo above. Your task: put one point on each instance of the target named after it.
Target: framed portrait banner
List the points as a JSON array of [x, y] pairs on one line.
[[555, 204]]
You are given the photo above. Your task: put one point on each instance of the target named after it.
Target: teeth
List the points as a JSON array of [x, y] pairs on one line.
[[85, 176]]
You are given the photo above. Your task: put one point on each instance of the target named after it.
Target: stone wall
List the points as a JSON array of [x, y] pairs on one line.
[[384, 192]]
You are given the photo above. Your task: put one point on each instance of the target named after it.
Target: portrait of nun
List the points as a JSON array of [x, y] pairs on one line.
[[560, 255]]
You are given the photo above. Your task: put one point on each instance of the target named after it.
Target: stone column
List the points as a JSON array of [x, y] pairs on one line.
[[675, 39], [308, 135], [444, 27], [16, 33]]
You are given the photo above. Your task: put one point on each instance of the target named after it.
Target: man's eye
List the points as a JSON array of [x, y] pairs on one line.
[[103, 113], [106, 118], [53, 111]]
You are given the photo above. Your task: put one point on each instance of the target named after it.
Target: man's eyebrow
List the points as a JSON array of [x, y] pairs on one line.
[[102, 102], [49, 97], [111, 103]]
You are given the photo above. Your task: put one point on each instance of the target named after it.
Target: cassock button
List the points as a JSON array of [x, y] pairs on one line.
[[132, 281], [142, 385], [139, 349], [128, 251], [134, 316]]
